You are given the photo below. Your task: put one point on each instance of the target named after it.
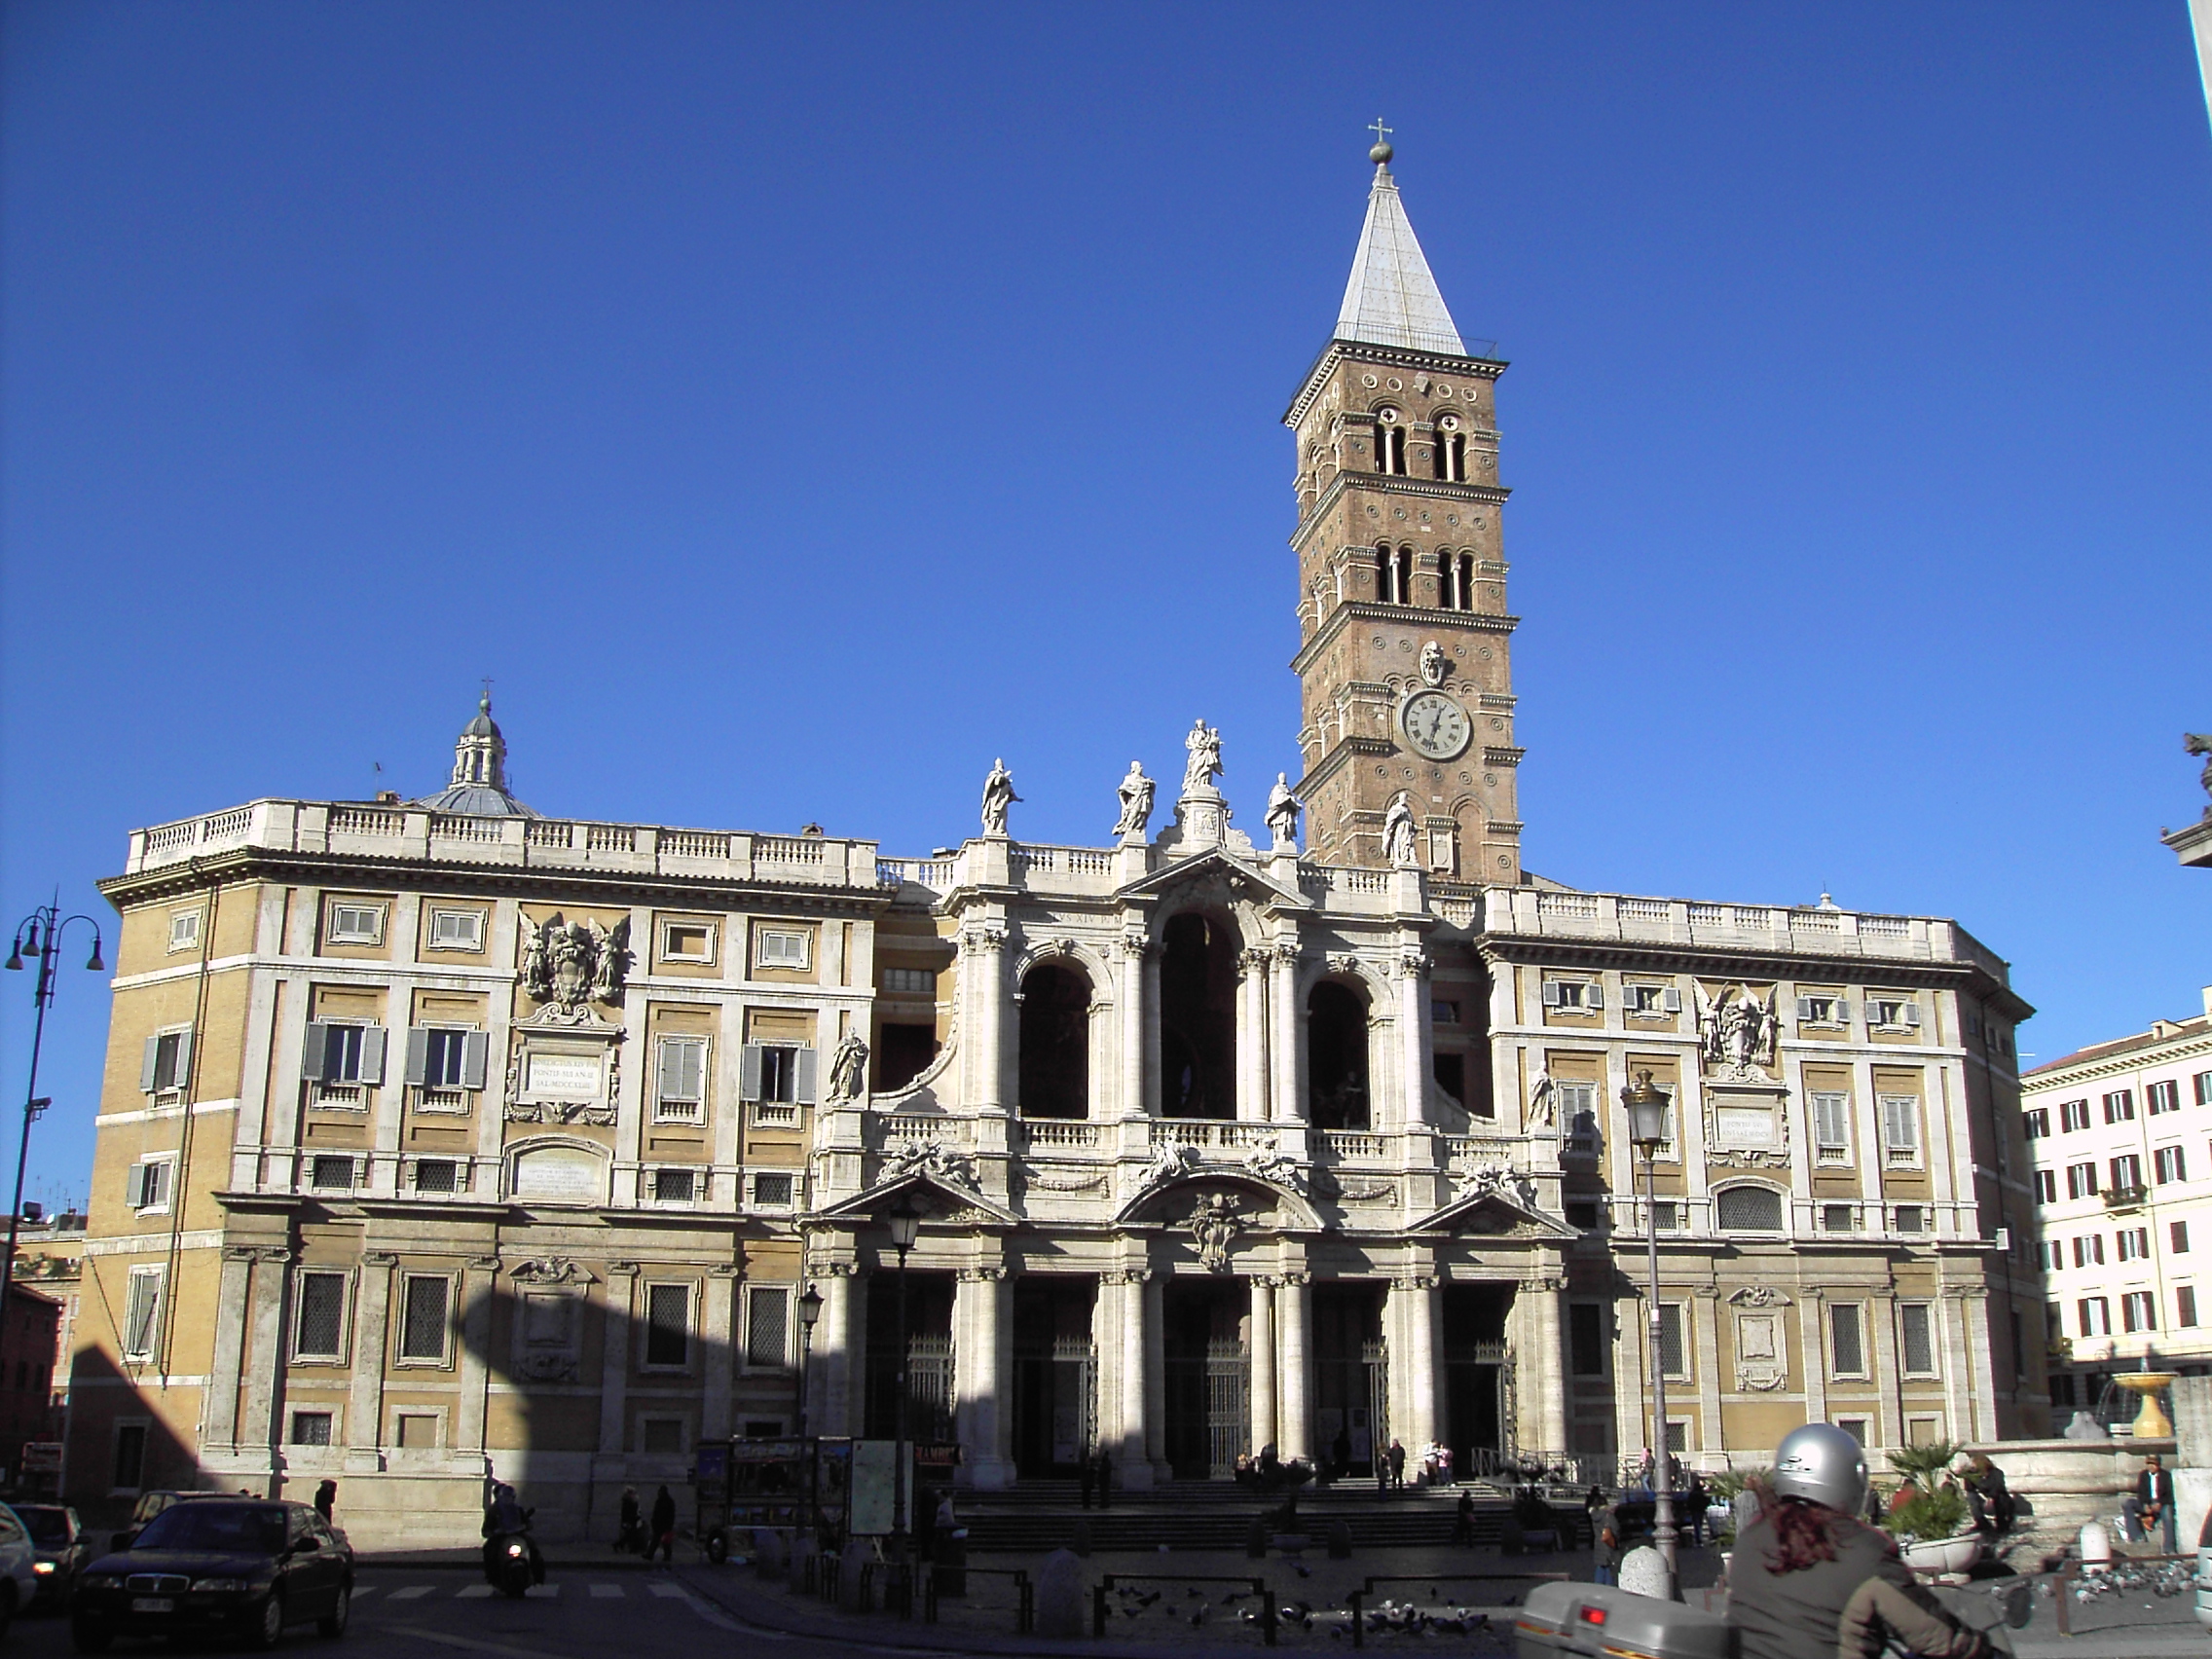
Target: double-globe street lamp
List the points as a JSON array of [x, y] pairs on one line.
[[1647, 1129], [43, 951]]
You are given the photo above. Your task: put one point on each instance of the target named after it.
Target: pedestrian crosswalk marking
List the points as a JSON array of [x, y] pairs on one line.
[[543, 1592], [471, 1591], [408, 1592], [606, 1592], [360, 1590], [673, 1590]]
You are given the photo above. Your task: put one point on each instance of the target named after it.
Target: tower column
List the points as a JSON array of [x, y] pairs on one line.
[[1133, 1003], [1413, 1424], [1134, 1455], [986, 946], [1154, 1341], [1412, 1034], [1262, 1292], [1252, 1036]]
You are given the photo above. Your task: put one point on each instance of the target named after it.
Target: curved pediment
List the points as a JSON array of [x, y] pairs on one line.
[[1259, 1200]]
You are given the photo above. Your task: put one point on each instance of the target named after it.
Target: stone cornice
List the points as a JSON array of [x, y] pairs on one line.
[[2045, 1080], [1751, 962], [1395, 484], [1394, 356], [1364, 611]]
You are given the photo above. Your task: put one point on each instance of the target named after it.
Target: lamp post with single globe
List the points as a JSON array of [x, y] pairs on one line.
[[809, 1310], [45, 953], [1647, 1130], [906, 1224]]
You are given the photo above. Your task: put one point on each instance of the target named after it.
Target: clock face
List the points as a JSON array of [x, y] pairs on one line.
[[1435, 725]]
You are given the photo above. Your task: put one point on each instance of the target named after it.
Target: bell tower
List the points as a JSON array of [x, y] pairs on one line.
[[1405, 681]]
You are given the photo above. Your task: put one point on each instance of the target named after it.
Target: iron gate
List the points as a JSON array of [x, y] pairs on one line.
[[1055, 1403], [1229, 1404]]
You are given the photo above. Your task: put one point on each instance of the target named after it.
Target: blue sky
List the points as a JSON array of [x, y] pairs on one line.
[[795, 408]]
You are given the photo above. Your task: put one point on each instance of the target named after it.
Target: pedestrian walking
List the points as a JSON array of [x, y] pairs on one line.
[[1608, 1544], [325, 1500], [1397, 1463], [663, 1528], [628, 1528], [1694, 1493], [1464, 1519]]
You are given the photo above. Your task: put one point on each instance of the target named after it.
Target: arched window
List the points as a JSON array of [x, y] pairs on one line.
[[1197, 1019], [1336, 1058], [1385, 575], [1748, 1210], [1451, 449], [1404, 584], [1055, 1043], [1467, 565], [1389, 442]]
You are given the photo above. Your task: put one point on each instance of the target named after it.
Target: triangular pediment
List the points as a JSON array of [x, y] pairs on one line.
[[944, 1194], [1496, 1213], [1216, 863]]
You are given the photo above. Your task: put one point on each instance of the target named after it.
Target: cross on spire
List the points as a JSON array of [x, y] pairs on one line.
[[1382, 132]]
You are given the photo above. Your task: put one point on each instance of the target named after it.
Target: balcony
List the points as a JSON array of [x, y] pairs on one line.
[[2126, 1197]]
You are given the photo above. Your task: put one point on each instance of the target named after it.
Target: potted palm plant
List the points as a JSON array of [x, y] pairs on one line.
[[1935, 1525]]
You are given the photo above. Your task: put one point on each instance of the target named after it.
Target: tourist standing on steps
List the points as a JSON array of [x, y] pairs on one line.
[[1397, 1463]]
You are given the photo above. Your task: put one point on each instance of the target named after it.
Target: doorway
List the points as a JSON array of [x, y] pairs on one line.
[[1203, 1339], [1478, 1384], [1055, 1375], [1351, 1376]]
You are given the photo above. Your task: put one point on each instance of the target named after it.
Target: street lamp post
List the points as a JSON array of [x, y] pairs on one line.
[[809, 1310], [1647, 1130], [44, 952], [905, 1223]]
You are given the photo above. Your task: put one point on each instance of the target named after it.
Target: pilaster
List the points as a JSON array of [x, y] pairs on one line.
[[1294, 1410], [982, 1319], [226, 1367], [614, 1361], [478, 1286], [718, 1331], [365, 1405]]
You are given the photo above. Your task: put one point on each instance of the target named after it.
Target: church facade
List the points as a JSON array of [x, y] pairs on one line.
[[442, 1139]]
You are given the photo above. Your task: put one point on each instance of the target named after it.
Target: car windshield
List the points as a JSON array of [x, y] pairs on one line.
[[255, 1529], [48, 1526]]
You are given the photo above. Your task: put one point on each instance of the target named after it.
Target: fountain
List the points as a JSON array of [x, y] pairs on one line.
[[2151, 1420]]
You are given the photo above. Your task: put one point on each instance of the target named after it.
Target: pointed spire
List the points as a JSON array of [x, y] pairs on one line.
[[1391, 299]]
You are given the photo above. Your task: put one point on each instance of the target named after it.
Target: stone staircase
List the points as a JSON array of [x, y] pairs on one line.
[[1217, 1515]]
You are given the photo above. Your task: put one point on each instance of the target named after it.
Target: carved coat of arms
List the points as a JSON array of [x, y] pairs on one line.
[[567, 965]]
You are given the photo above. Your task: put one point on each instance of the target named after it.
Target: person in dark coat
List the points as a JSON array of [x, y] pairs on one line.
[[663, 1541], [629, 1525], [1340, 1452], [1605, 1528], [326, 1499], [1464, 1519], [2153, 1503], [1397, 1463]]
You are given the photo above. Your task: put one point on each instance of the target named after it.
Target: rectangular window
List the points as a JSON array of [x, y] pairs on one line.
[[778, 1078], [687, 941], [1677, 1434], [2053, 1324], [1900, 1128], [675, 1185], [437, 1175], [2177, 1236], [167, 1063], [2095, 1314], [773, 1191], [1855, 1427], [184, 930], [1846, 1345], [1673, 1351], [1823, 1008], [1666, 1216], [1831, 1122], [1893, 1013], [355, 924], [2089, 1250], [2135, 1243], [661, 1436], [147, 1186], [681, 1095], [310, 1429], [141, 1314], [2080, 1180], [2039, 1122], [1916, 1333], [319, 1332], [129, 1456], [2073, 1114], [909, 981], [2163, 1096], [775, 947], [423, 1318], [1912, 1218], [2126, 1172], [1586, 1338], [2046, 1185], [445, 1060], [2167, 1163], [768, 1328], [2185, 1305], [1839, 1218], [456, 930], [2137, 1312], [1577, 1111], [347, 1055], [2120, 1106], [1574, 996], [331, 1172], [668, 1325], [2203, 1083], [1442, 1013]]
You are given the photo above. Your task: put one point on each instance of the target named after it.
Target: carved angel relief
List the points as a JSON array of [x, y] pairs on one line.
[[1735, 1032], [567, 965]]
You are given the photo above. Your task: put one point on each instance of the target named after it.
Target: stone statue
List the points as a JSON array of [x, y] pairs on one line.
[[1283, 812], [1736, 1029], [998, 795], [848, 1068], [1434, 664], [568, 963], [1204, 764], [1543, 1101], [1136, 791], [1398, 833], [2200, 743]]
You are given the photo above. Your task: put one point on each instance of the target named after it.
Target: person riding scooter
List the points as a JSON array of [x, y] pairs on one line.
[[1809, 1577], [512, 1558]]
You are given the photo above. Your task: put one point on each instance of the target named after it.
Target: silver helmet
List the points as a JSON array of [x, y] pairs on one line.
[[1823, 1463]]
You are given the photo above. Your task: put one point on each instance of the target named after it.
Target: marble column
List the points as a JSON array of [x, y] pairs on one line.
[[1131, 992], [614, 1358], [718, 1334], [1414, 1035], [833, 1362], [1287, 1038], [364, 1404], [983, 1371], [1152, 1338], [1251, 1036], [1132, 1450], [477, 1288], [1412, 1315], [1155, 1095], [1546, 1371], [225, 1373], [1294, 1412], [1263, 1345], [985, 947]]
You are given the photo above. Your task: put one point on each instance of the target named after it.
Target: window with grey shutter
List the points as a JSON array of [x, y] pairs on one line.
[[322, 1329], [135, 1186], [803, 1083], [1593, 995], [1845, 1341], [683, 1079], [1916, 1330], [768, 1328], [1911, 1013], [140, 1313], [476, 1056], [417, 1062], [1832, 1121], [1804, 1009], [423, 1317], [167, 1063], [372, 1054], [1900, 1124], [1671, 1000], [749, 1065], [1552, 993], [668, 1325], [1674, 1354], [314, 1052]]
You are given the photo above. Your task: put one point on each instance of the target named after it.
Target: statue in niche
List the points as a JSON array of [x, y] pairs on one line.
[[848, 1068], [1204, 764], [1283, 809], [1398, 850], [2200, 743], [1135, 791], [998, 795], [567, 964], [1434, 664], [1736, 1029]]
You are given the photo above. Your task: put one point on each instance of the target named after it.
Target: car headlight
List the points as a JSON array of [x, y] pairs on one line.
[[100, 1581], [41, 1566], [231, 1586]]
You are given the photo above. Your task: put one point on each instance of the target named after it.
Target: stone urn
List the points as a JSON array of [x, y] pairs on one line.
[[2151, 1421]]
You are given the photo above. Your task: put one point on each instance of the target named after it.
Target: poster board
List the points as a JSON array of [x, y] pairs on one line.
[[873, 1493]]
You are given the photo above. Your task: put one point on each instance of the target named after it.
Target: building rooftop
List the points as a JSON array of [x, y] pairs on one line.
[[2161, 1033]]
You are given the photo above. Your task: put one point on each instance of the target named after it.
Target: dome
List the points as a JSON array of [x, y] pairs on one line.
[[478, 788]]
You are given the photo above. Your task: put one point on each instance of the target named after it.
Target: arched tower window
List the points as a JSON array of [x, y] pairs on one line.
[[1389, 442], [1385, 575], [1451, 449], [1336, 1058], [1465, 564], [1404, 584], [1197, 1019], [1055, 1043]]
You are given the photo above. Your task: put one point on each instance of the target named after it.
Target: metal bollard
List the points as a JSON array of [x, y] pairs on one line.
[[1358, 1601], [1098, 1605]]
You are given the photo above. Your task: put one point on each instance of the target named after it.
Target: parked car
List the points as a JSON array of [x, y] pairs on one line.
[[19, 1575], [234, 1567], [151, 1504], [61, 1548]]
